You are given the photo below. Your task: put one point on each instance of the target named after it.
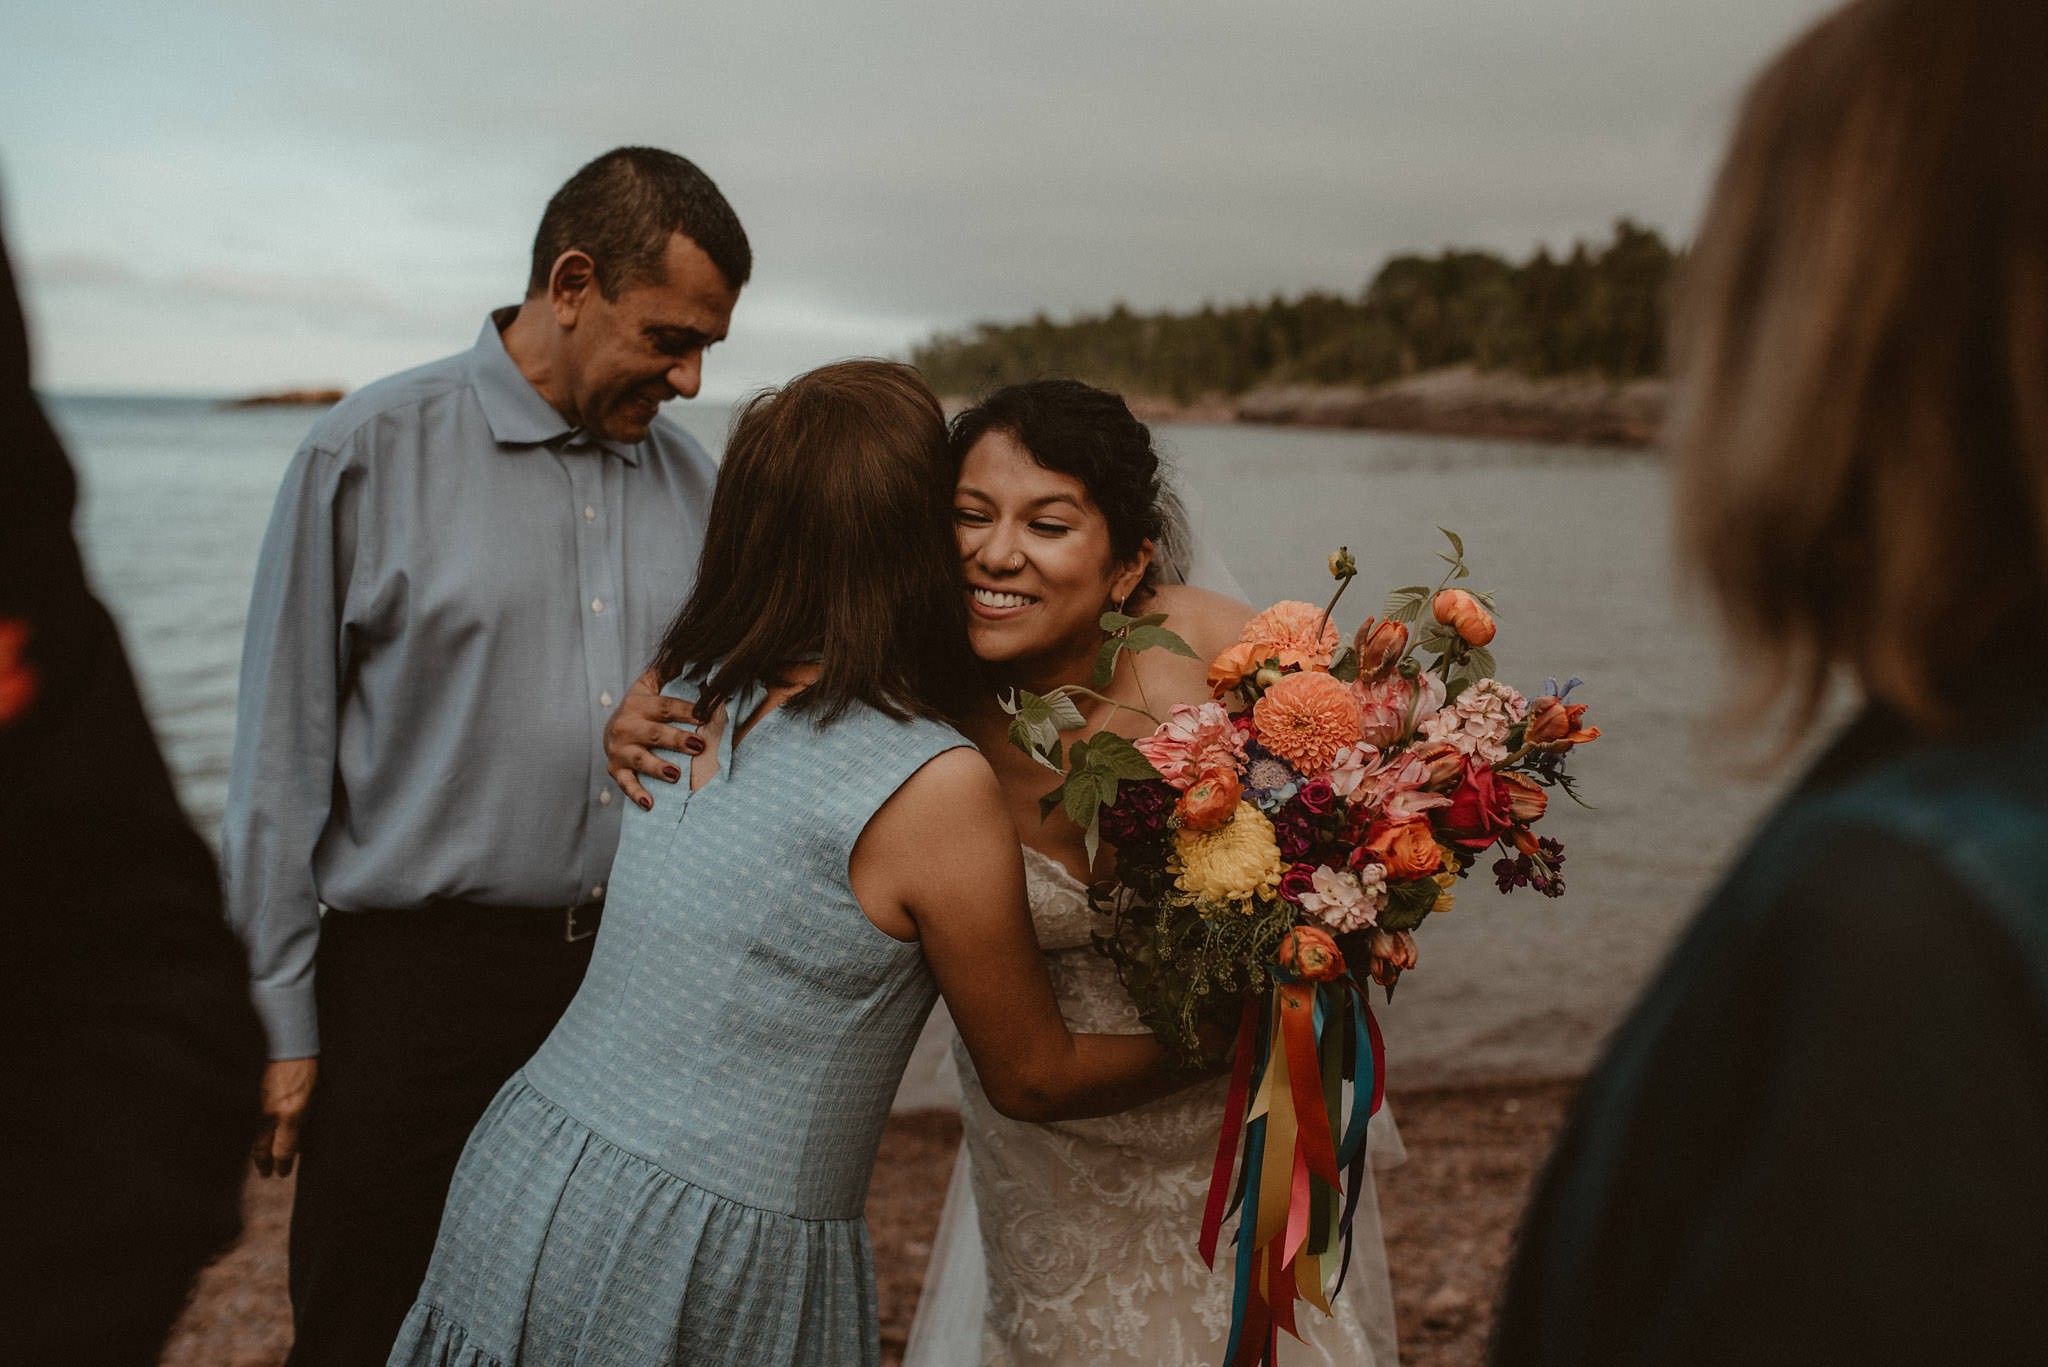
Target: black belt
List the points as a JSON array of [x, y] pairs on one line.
[[577, 921]]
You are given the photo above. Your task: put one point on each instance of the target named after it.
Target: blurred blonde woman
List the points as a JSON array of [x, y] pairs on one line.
[[1822, 1137]]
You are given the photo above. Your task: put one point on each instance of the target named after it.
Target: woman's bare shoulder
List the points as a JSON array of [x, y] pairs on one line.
[[1207, 620]]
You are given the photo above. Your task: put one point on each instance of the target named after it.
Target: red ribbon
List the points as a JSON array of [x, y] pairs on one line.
[[1233, 1121]]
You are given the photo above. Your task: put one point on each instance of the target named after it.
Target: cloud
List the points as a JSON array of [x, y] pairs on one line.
[[381, 166]]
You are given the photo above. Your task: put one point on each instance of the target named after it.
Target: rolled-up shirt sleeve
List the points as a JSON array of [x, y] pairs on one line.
[[282, 779]]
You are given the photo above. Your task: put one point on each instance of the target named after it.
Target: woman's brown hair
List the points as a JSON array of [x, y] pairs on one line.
[[830, 537], [1862, 359]]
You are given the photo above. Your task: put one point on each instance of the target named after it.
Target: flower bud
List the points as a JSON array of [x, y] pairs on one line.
[[1446, 764], [1554, 725], [1526, 799], [1267, 677], [1379, 647], [1464, 614], [1342, 566], [1393, 952]]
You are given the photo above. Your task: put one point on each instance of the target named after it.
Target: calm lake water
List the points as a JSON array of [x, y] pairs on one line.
[[1573, 541]]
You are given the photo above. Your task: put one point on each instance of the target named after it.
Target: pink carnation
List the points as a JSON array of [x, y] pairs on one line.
[[1477, 723], [1346, 901], [1192, 741]]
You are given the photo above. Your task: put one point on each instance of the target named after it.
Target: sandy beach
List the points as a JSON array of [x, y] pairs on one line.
[[1450, 1215]]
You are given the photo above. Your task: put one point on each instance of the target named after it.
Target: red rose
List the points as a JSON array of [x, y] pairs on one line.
[[1481, 808]]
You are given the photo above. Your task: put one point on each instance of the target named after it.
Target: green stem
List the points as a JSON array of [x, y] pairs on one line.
[[1079, 690], [1342, 584]]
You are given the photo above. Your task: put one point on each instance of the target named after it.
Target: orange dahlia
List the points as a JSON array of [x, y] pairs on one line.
[[1294, 633], [1306, 719]]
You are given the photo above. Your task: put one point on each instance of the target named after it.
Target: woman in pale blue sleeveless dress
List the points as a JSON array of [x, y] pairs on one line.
[[678, 1175]]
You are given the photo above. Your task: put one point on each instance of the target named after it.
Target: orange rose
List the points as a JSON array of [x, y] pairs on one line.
[[1464, 614], [1310, 953], [1554, 725], [1229, 669], [1407, 848], [1379, 649], [1526, 799], [1210, 800]]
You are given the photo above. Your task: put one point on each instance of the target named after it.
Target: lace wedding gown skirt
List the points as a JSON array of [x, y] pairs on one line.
[[1074, 1243]]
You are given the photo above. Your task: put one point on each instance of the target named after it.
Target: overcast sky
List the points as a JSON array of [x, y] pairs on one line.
[[248, 194]]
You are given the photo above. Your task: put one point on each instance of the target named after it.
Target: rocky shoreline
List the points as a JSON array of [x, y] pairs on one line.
[[290, 398], [1456, 401], [1449, 1214]]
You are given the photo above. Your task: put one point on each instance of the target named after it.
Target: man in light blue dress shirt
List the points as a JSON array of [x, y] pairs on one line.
[[467, 564]]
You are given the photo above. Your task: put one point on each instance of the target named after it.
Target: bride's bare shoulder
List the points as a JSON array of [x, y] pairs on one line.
[[1208, 621]]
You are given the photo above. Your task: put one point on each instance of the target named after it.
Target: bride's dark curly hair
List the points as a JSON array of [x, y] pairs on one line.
[[1090, 434]]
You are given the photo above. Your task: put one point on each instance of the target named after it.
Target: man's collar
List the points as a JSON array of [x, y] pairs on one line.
[[515, 410]]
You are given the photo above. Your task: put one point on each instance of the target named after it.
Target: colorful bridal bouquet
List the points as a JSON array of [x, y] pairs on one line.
[[1280, 842]]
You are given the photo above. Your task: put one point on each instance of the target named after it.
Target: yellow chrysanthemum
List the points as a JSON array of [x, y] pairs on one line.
[[1235, 862]]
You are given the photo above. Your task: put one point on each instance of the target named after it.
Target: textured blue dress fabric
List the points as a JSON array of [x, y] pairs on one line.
[[678, 1175]]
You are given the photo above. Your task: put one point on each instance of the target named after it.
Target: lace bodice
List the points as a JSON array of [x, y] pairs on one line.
[[1088, 1226]]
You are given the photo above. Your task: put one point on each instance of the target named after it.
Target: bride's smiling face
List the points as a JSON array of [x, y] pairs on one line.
[[1035, 551]]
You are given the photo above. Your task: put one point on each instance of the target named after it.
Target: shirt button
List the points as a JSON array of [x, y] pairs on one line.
[[597, 891], [604, 799], [604, 700], [589, 513], [597, 605]]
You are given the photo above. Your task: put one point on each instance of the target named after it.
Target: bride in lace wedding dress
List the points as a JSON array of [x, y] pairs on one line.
[[1074, 1243]]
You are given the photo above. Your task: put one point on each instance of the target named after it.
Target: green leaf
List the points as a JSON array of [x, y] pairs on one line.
[[1150, 636], [1457, 542], [1105, 661], [1405, 605], [1344, 669], [1480, 660], [1111, 754], [1407, 904], [1081, 799], [1116, 621], [1063, 712], [1450, 560], [1049, 803]]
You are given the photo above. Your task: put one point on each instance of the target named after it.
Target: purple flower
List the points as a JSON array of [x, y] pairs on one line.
[[1139, 812], [1297, 880]]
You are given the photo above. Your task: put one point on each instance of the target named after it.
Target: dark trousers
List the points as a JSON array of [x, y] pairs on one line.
[[423, 1015]]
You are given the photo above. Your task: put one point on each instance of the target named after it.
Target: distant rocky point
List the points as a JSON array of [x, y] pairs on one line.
[[291, 398], [1453, 401]]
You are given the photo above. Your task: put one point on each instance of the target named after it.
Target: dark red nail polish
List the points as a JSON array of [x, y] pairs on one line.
[[646, 803], [671, 773]]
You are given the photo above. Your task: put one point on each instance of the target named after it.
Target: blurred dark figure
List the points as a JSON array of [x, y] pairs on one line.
[[129, 1053], [1822, 1137]]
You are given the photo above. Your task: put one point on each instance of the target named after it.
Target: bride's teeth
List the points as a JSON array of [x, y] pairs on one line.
[[990, 598]]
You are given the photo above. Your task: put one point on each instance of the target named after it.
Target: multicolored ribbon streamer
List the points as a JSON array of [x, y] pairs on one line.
[[1297, 1190]]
